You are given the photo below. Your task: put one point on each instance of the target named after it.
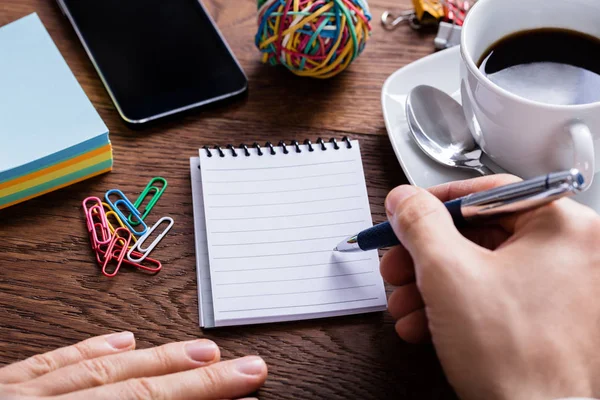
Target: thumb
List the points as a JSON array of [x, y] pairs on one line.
[[423, 225]]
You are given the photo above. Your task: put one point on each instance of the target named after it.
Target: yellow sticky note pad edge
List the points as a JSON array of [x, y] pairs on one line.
[[39, 179], [59, 166], [74, 181]]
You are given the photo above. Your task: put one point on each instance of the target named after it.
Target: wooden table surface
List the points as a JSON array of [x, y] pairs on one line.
[[52, 293]]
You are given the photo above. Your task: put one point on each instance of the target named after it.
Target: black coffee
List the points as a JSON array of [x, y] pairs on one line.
[[554, 66]]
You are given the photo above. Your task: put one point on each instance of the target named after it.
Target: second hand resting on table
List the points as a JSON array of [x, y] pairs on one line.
[[511, 309]]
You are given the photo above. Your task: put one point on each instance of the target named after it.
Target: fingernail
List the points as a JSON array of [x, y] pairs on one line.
[[202, 350], [397, 195], [250, 365], [120, 340]]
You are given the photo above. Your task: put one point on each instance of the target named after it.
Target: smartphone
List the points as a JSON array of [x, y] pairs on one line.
[[156, 58]]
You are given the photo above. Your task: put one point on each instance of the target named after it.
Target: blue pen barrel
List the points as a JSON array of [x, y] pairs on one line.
[[377, 237], [382, 235]]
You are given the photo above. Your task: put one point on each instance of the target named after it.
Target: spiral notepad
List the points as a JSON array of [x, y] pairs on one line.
[[267, 219]]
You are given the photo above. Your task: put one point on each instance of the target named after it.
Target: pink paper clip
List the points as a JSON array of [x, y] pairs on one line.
[[113, 247], [157, 264], [95, 203], [96, 218], [91, 199], [101, 252]]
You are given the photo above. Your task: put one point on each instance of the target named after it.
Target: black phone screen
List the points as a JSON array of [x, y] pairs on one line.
[[156, 57]]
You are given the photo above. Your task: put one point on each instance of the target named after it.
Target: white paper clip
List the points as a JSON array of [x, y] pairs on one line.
[[146, 251]]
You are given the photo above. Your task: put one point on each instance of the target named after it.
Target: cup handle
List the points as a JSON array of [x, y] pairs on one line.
[[583, 145]]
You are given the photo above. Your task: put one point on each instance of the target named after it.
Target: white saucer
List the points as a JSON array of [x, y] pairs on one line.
[[440, 70]]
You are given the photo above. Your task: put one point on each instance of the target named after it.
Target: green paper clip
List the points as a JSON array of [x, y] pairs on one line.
[[152, 190]]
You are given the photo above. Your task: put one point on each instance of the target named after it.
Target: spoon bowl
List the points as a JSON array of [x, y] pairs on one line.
[[438, 126]]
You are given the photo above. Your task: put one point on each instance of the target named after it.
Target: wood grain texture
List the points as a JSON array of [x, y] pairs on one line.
[[52, 294]]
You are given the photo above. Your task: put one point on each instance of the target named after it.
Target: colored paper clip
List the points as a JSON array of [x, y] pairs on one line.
[[150, 190], [113, 248], [146, 251], [88, 216], [106, 206], [157, 265], [125, 201], [119, 223], [93, 199], [96, 219]]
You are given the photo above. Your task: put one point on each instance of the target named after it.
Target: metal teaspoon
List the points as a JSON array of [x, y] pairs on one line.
[[439, 127]]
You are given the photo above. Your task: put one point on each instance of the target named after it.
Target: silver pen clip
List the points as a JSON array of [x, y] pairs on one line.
[[523, 196]]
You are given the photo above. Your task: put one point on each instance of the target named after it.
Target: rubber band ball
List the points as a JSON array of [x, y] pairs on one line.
[[315, 38]]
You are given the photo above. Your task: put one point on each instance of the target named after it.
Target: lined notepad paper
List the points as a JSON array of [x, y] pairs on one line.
[[271, 224]]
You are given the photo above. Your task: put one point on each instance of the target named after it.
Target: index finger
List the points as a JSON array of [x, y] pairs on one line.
[[454, 190], [225, 380], [42, 364]]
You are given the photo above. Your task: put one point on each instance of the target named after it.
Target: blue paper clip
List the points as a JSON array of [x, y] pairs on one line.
[[129, 205]]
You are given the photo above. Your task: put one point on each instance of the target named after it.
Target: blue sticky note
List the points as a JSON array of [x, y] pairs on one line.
[[45, 116]]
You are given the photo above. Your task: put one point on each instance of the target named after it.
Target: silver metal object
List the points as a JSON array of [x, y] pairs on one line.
[[448, 35], [391, 21], [438, 126], [523, 196], [349, 245]]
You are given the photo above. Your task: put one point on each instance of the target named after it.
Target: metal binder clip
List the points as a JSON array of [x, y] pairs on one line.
[[448, 36], [155, 192], [146, 251], [391, 21], [425, 13], [113, 247], [123, 200], [449, 30]]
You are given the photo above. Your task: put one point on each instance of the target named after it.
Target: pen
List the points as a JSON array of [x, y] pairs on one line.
[[513, 198]]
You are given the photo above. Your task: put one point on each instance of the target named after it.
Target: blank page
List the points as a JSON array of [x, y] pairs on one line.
[[272, 222]]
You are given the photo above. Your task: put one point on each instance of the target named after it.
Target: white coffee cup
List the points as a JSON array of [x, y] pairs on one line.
[[525, 137]]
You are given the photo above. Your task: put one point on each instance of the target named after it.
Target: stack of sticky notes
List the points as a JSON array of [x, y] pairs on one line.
[[50, 134]]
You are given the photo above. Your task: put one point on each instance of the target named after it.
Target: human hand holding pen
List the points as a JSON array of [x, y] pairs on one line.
[[512, 308]]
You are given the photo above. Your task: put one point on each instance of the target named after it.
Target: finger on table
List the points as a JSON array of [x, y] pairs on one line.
[[224, 380], [404, 301], [156, 361], [413, 328], [42, 364], [397, 267]]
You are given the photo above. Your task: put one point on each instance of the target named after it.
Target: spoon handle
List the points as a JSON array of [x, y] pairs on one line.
[[484, 170]]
